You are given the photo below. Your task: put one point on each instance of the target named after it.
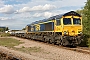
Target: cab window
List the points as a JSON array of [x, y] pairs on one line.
[[58, 22], [77, 21], [66, 21]]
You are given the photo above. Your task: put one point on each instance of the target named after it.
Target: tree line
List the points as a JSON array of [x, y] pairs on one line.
[[3, 29]]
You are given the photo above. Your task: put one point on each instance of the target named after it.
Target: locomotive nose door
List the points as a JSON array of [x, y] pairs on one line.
[[58, 26]]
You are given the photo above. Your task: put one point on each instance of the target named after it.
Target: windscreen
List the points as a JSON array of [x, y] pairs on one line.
[[67, 21], [77, 21]]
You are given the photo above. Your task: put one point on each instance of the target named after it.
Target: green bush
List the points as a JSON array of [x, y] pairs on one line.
[[85, 41]]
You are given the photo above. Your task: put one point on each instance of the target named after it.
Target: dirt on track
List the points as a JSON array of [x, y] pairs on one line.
[[47, 52]]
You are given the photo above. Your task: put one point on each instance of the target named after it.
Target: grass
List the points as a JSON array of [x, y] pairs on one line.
[[9, 42], [29, 49]]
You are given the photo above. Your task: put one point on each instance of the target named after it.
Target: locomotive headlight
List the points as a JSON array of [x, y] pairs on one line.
[[80, 32], [65, 32]]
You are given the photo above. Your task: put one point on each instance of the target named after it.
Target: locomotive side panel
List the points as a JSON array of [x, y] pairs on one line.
[[49, 26], [32, 28], [42, 27], [28, 28], [37, 27]]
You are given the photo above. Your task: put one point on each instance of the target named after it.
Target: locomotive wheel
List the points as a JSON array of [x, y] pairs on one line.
[[58, 42], [50, 41], [64, 42], [45, 40], [79, 41]]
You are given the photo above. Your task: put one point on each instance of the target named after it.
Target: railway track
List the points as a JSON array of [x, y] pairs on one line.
[[85, 50], [81, 49]]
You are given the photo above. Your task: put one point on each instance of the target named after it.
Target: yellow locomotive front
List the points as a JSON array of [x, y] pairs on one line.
[[70, 28]]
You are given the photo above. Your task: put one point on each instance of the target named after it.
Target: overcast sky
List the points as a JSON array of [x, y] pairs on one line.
[[16, 14]]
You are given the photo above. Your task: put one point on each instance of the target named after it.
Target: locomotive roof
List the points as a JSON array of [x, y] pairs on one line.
[[56, 17]]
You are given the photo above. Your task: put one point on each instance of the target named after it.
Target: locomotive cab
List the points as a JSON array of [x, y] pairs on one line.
[[70, 27]]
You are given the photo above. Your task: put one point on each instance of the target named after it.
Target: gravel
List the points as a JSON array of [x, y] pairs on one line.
[[47, 52]]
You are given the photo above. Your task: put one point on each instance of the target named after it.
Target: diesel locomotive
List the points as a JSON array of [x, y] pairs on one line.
[[64, 29]]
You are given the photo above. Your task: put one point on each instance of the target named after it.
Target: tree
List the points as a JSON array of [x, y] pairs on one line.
[[86, 12], [23, 28], [6, 29], [3, 29]]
